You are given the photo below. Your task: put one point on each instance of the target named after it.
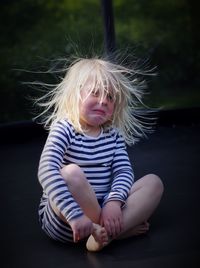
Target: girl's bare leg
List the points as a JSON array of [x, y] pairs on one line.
[[82, 191], [84, 195], [144, 197]]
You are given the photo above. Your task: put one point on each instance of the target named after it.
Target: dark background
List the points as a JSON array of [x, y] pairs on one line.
[[36, 32]]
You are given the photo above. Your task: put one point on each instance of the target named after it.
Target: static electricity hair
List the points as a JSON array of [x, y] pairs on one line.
[[62, 102]]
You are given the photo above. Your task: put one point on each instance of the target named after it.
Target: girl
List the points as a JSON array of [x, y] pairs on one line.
[[88, 184]]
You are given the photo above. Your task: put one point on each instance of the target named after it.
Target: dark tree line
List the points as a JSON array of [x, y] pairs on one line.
[[33, 32]]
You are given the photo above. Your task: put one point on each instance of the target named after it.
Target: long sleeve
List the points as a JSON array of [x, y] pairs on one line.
[[51, 161], [122, 174]]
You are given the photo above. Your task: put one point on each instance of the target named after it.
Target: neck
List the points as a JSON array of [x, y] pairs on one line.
[[92, 131]]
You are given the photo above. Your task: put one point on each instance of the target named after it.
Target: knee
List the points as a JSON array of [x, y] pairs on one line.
[[156, 184], [73, 175]]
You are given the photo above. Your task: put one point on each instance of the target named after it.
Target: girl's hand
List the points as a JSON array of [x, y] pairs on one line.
[[111, 218], [82, 227]]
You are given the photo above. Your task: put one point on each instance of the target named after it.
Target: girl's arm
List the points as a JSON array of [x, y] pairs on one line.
[[49, 175], [111, 215], [123, 176]]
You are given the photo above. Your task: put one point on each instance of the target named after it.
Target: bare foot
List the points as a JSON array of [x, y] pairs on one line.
[[137, 230], [98, 239], [140, 229]]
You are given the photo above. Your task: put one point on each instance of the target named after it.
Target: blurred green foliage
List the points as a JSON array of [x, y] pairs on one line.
[[35, 32]]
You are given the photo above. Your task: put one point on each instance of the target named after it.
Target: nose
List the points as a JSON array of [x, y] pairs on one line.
[[103, 101]]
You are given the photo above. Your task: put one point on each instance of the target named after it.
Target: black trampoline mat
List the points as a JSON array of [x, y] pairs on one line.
[[173, 240]]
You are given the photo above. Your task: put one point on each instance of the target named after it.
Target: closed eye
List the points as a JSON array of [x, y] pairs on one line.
[[110, 97], [95, 93]]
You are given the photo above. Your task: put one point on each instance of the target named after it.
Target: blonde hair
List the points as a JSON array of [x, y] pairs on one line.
[[62, 102]]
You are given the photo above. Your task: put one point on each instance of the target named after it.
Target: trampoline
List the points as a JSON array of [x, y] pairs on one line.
[[172, 152]]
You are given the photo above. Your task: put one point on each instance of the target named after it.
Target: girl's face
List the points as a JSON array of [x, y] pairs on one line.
[[95, 111]]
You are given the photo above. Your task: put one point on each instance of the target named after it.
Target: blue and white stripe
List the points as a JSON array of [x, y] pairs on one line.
[[103, 159]]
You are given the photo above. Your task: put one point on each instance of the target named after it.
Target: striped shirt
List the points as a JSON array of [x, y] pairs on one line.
[[103, 159]]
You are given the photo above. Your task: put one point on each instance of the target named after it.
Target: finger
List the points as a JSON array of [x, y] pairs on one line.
[[108, 227], [89, 231], [113, 228], [75, 237], [120, 226], [101, 222], [85, 232], [117, 228], [79, 235]]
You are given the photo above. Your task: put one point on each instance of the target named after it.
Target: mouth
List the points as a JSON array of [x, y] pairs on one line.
[[99, 112]]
